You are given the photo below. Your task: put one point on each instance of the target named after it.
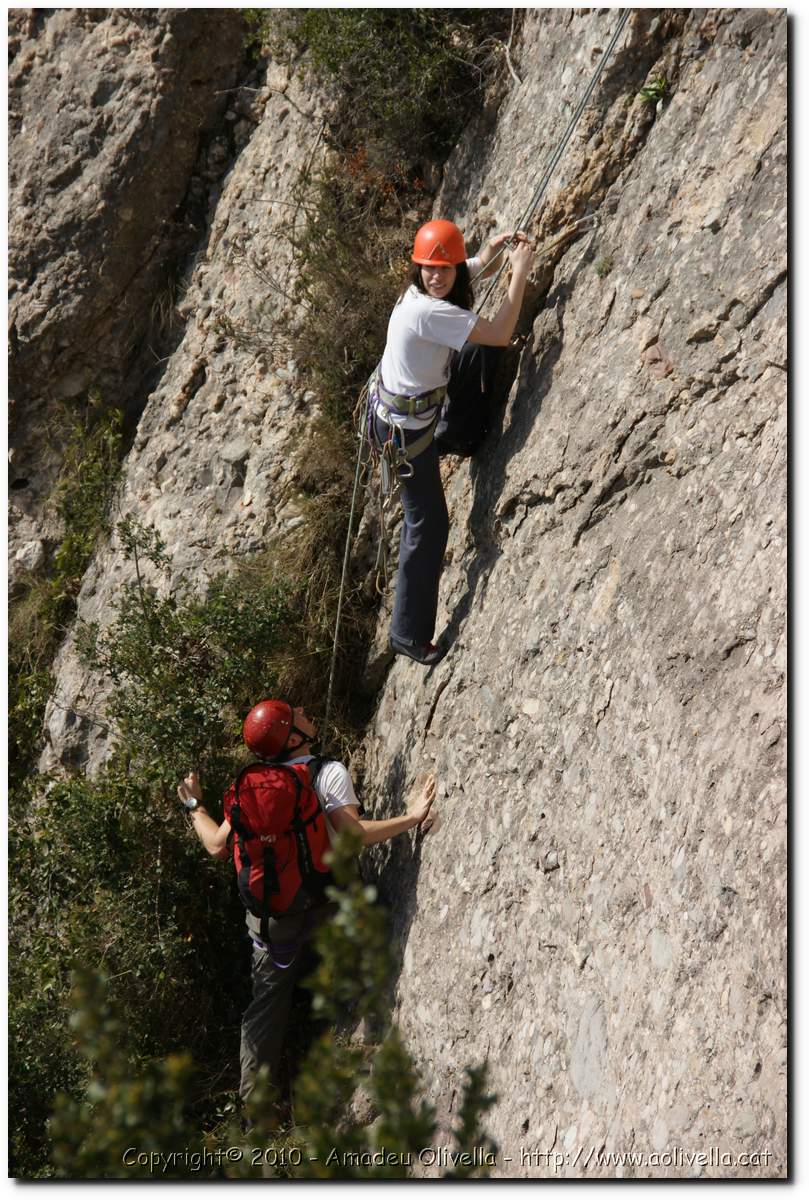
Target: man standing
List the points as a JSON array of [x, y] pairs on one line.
[[282, 735]]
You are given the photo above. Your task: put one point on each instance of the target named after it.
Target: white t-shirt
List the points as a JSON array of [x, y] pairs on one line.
[[333, 786], [422, 333]]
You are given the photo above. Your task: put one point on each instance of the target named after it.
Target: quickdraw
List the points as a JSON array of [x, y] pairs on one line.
[[395, 455], [582, 225]]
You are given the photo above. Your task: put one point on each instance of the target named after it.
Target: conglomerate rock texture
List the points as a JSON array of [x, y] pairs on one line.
[[110, 111], [601, 911], [210, 464], [601, 914]]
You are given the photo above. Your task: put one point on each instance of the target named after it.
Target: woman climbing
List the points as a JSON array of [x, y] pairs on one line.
[[430, 320]]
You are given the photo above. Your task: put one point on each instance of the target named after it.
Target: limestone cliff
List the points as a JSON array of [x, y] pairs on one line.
[[116, 145], [601, 912]]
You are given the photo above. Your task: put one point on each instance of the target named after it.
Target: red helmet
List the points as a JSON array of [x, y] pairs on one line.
[[439, 244], [267, 727]]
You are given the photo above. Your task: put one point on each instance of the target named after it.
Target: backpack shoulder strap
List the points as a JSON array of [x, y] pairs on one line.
[[316, 765], [235, 818]]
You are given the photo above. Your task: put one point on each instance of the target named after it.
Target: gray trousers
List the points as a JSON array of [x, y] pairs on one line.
[[422, 543], [265, 1019], [275, 971]]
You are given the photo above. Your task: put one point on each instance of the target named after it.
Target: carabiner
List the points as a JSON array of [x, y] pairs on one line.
[[404, 468]]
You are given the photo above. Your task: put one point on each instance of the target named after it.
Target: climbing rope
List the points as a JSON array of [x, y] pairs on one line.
[[362, 407], [362, 404], [539, 192]]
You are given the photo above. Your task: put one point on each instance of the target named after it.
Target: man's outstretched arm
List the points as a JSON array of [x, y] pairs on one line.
[[213, 837], [418, 813]]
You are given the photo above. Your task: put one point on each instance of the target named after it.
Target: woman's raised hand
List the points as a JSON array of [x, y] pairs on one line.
[[521, 256]]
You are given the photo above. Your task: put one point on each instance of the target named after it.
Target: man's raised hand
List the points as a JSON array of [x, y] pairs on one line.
[[189, 787], [422, 802]]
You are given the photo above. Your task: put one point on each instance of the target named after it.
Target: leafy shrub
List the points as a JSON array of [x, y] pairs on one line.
[[126, 1115], [404, 78], [105, 870], [40, 613], [105, 874], [655, 92], [149, 1106], [184, 668]]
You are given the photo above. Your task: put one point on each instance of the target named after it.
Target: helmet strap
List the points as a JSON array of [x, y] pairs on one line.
[[285, 749]]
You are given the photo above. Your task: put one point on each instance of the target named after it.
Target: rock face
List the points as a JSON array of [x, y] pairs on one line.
[[601, 913], [210, 467], [108, 110]]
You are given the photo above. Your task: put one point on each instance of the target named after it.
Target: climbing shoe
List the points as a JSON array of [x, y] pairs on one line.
[[427, 655]]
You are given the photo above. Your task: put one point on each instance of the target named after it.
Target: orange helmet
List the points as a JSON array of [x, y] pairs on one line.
[[439, 244], [267, 727]]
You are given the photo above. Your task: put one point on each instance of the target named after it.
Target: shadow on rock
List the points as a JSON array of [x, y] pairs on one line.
[[489, 470], [395, 872]]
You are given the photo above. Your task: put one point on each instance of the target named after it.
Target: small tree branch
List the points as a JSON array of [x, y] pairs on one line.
[[507, 48]]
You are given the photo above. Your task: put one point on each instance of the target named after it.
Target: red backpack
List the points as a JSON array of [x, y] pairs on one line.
[[280, 838]]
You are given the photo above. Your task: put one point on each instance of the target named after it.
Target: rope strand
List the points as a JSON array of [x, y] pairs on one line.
[[560, 149], [364, 407]]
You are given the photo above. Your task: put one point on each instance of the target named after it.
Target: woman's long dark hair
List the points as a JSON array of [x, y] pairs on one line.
[[461, 293]]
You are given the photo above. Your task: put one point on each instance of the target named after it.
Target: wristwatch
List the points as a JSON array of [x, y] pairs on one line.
[[191, 803]]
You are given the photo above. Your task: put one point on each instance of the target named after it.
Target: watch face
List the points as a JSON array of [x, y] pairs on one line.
[[191, 803]]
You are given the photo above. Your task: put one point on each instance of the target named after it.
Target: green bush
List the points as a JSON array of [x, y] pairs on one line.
[[106, 875], [655, 92], [127, 1114], [147, 1108], [40, 613], [404, 78], [106, 871], [184, 668]]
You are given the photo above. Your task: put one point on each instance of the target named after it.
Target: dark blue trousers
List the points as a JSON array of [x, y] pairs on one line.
[[422, 544], [426, 523]]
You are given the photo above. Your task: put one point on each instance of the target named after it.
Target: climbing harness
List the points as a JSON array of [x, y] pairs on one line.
[[395, 454], [398, 463], [405, 406]]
